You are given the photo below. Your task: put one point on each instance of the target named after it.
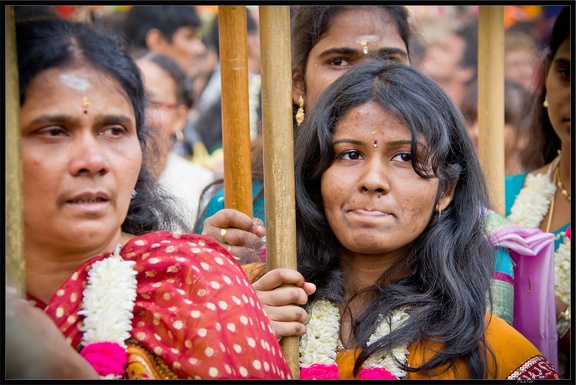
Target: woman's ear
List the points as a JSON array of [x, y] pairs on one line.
[[298, 87], [446, 197]]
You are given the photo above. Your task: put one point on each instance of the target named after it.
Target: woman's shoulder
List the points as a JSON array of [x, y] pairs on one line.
[[516, 357], [164, 253]]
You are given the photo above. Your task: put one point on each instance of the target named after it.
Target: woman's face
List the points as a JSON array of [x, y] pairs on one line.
[[164, 115], [81, 157], [374, 201], [558, 92], [341, 47]]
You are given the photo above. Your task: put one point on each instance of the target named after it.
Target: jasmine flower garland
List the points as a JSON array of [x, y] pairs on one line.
[[533, 201], [108, 304], [318, 346]]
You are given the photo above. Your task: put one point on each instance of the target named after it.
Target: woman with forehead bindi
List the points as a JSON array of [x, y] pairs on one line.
[[390, 227], [114, 286]]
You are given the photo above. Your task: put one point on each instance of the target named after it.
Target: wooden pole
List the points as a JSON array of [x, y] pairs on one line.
[[278, 140], [491, 101], [235, 108], [15, 262]]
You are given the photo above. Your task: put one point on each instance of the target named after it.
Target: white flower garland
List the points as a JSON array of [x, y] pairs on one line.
[[528, 211], [533, 201], [562, 270], [108, 301], [319, 344]]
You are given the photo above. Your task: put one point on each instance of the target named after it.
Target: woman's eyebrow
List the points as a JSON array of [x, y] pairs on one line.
[[346, 51]]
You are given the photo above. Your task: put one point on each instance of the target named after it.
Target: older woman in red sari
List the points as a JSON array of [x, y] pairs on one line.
[[115, 288]]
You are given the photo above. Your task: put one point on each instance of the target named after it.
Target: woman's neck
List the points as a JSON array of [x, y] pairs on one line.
[[363, 270], [49, 266], [565, 170]]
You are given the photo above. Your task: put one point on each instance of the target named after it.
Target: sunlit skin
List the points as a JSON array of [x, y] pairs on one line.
[[339, 49], [80, 166], [382, 205]]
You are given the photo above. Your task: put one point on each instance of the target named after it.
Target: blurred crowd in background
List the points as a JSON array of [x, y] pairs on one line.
[[446, 52]]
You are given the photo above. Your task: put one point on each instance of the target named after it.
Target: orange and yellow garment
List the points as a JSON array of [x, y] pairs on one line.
[[515, 357]]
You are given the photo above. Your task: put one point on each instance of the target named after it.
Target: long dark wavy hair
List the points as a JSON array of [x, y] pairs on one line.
[[451, 262], [47, 42]]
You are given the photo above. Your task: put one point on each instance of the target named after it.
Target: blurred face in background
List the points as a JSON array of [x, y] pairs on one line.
[[164, 113], [519, 66], [184, 48]]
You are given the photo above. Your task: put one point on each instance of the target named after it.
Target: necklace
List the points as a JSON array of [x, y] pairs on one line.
[[319, 345], [108, 303], [531, 205], [560, 185]]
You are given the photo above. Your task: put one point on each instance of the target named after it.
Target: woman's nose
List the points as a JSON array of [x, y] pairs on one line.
[[88, 156], [374, 178]]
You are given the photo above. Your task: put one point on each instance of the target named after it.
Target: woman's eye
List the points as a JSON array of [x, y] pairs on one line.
[[114, 131], [52, 131], [403, 157], [350, 155], [564, 72], [339, 61]]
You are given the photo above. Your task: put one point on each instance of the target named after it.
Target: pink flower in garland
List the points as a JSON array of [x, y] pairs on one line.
[[107, 358], [376, 374], [319, 372], [569, 232]]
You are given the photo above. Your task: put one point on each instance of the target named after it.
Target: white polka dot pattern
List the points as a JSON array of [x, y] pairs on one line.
[[195, 309]]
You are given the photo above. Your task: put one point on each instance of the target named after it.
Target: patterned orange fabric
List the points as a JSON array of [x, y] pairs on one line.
[[515, 357], [195, 309]]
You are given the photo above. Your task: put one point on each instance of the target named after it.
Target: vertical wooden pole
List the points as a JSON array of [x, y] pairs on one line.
[[278, 138], [491, 101], [235, 108], [15, 262]]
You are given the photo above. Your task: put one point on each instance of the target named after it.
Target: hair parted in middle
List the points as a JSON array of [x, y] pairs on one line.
[[443, 307]]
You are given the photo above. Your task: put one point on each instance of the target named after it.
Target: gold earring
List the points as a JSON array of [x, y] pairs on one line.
[[300, 113], [545, 104]]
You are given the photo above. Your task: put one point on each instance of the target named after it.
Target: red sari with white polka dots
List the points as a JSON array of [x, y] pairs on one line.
[[196, 314]]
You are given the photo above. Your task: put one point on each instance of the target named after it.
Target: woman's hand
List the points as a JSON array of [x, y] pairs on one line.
[[37, 349], [239, 233], [282, 292]]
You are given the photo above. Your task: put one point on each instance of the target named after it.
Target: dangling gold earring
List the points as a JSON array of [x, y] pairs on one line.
[[300, 113], [545, 104]]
